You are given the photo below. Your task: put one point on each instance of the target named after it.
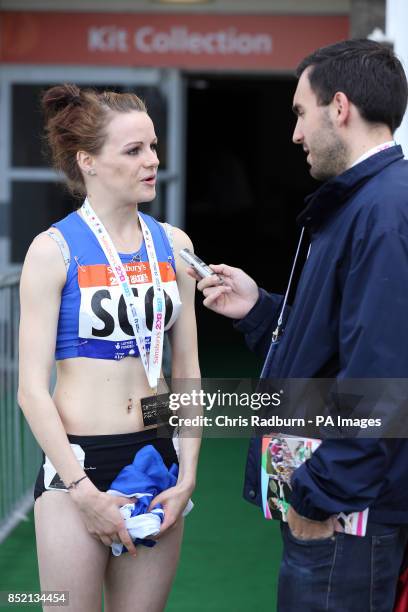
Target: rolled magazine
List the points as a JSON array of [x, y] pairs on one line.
[[281, 456]]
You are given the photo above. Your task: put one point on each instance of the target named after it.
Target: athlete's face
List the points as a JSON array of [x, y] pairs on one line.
[[127, 165], [315, 130]]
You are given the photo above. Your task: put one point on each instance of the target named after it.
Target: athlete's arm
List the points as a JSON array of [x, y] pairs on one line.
[[42, 280], [183, 338]]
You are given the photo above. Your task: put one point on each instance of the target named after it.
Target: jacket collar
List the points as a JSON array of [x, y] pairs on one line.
[[324, 202]]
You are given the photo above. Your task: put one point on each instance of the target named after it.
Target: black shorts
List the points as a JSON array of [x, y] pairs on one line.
[[105, 456]]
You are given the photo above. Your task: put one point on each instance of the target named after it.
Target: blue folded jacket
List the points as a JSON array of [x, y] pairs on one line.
[[145, 478]]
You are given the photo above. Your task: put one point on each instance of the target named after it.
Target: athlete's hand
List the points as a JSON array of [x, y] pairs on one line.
[[100, 513], [174, 500], [230, 292]]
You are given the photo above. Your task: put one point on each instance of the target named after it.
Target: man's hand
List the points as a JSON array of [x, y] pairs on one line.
[[229, 292], [305, 529]]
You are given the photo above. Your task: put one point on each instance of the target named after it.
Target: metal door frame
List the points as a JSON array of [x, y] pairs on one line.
[[169, 81]]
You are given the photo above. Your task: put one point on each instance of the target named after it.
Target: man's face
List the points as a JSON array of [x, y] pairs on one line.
[[327, 153]]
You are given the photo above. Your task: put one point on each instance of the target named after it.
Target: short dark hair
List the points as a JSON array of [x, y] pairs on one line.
[[367, 72]]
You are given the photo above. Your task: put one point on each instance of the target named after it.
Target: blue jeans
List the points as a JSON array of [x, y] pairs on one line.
[[343, 573]]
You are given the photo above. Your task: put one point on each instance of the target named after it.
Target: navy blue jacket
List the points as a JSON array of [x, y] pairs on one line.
[[349, 320]]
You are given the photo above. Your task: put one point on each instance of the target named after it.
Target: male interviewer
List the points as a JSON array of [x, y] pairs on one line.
[[349, 320]]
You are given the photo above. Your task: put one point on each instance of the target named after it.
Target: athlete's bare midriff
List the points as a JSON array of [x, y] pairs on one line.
[[100, 396]]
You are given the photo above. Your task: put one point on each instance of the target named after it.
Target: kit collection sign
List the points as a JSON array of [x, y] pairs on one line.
[[189, 41]]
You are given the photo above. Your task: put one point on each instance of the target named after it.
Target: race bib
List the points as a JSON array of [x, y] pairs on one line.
[[105, 328]]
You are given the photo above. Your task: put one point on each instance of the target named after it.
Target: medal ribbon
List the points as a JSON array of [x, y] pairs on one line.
[[152, 361]]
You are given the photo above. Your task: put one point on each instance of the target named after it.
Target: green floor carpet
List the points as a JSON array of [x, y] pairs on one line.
[[230, 553]]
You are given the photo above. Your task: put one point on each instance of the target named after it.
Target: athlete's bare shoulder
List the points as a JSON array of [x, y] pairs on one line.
[[181, 240], [44, 262]]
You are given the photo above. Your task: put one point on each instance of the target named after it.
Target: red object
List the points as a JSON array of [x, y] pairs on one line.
[[401, 603], [199, 41]]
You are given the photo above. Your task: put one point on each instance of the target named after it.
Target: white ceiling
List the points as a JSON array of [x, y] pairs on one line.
[[325, 7]]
